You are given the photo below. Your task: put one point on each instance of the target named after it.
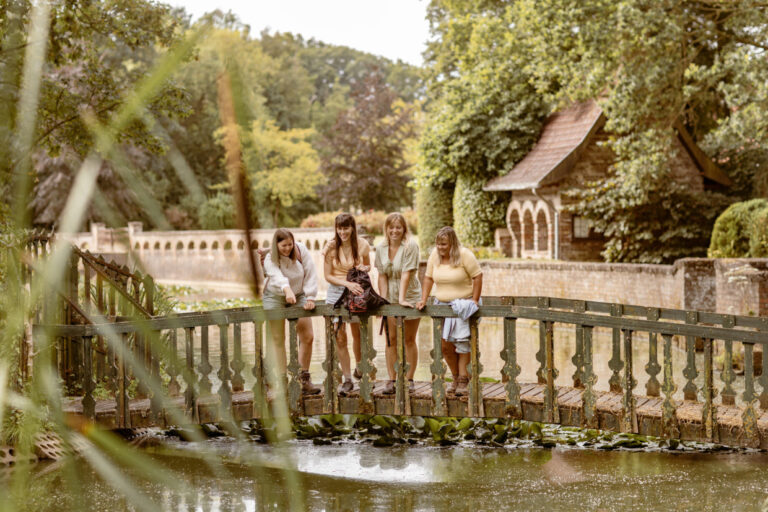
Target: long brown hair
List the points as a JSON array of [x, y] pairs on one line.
[[343, 220], [454, 256], [280, 235]]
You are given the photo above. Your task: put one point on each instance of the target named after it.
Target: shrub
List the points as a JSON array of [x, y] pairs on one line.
[[412, 219], [218, 212], [320, 220], [372, 220], [758, 234], [434, 209], [734, 228], [476, 213]]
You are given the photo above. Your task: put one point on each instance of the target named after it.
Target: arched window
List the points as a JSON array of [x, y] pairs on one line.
[[137, 246], [254, 244], [228, 245], [516, 230], [203, 245], [240, 245], [191, 246], [179, 246], [168, 246], [265, 244], [542, 231], [157, 246], [527, 230], [215, 245], [146, 246]]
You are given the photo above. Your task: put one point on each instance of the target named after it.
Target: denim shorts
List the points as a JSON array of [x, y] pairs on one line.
[[271, 300]]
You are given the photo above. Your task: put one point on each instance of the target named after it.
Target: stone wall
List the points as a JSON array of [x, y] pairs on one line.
[[219, 260]]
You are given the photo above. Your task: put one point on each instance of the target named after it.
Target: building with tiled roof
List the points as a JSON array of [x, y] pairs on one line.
[[569, 153]]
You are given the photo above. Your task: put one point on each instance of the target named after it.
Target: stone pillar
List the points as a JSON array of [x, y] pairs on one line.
[[97, 228], [699, 283], [742, 286]]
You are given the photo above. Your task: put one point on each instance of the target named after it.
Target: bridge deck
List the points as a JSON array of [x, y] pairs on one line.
[[569, 401]]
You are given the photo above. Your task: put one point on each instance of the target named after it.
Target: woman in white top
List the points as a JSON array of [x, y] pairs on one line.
[[343, 253], [397, 260], [291, 280]]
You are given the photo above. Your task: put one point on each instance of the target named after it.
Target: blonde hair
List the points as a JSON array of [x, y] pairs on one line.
[[280, 235], [396, 217], [454, 255]]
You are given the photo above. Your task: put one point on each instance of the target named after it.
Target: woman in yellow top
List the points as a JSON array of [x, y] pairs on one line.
[[397, 260], [456, 274], [343, 253]]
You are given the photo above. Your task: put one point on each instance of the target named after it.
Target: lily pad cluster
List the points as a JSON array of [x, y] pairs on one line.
[[384, 431]]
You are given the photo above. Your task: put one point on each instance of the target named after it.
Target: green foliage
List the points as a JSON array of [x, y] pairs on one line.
[[373, 220], [218, 212], [740, 231], [653, 64], [476, 213], [434, 208], [365, 155], [282, 166]]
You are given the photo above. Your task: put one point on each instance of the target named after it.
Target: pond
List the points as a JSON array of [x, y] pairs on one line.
[[414, 478]]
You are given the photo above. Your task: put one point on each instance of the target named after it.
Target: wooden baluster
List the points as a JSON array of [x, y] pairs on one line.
[[475, 369], [367, 367], [541, 355], [578, 356], [190, 395], [149, 294], [174, 388], [750, 436], [669, 407], [709, 411], [294, 386], [224, 373], [205, 365], [763, 380], [728, 396], [513, 407], [142, 390], [89, 404], [653, 368], [87, 287], [122, 412], [259, 385], [74, 347], [332, 371], [112, 298], [628, 412], [105, 352], [690, 391], [154, 382], [402, 402], [439, 406], [551, 410], [588, 398], [238, 383], [616, 364]]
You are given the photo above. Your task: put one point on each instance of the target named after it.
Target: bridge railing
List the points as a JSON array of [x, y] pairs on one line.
[[181, 367]]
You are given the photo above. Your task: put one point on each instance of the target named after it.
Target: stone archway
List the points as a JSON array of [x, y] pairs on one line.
[[515, 228], [528, 231], [542, 232]]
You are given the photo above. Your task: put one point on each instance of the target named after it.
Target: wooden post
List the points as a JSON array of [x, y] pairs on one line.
[[551, 410], [402, 402], [259, 385], [628, 413], [293, 368], [238, 383], [690, 373], [669, 425], [709, 411], [367, 368], [205, 365], [750, 436], [588, 398], [439, 406], [653, 368], [616, 364], [475, 368], [513, 407], [224, 373], [332, 372], [190, 394], [174, 388], [89, 404]]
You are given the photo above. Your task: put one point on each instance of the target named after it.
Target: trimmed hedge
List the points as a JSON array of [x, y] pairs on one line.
[[476, 213], [434, 209], [741, 231]]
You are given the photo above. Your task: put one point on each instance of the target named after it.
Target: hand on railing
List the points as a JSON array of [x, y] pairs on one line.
[[420, 305], [309, 305], [405, 303], [290, 298]]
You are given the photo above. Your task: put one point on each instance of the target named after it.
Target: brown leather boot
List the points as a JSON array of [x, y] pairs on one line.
[[307, 388], [461, 386], [452, 386]]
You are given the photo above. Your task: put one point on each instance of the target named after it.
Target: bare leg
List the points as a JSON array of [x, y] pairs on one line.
[[411, 349], [306, 338], [276, 348], [391, 349], [463, 363], [341, 347], [451, 358], [355, 328]]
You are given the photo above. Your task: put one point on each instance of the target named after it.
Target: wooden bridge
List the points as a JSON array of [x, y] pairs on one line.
[[157, 375]]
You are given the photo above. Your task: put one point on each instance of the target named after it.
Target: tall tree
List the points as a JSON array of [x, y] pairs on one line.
[[364, 157], [653, 63]]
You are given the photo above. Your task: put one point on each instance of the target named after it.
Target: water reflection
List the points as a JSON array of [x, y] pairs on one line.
[[361, 477]]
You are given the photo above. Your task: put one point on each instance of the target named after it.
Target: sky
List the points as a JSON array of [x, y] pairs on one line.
[[396, 29]]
